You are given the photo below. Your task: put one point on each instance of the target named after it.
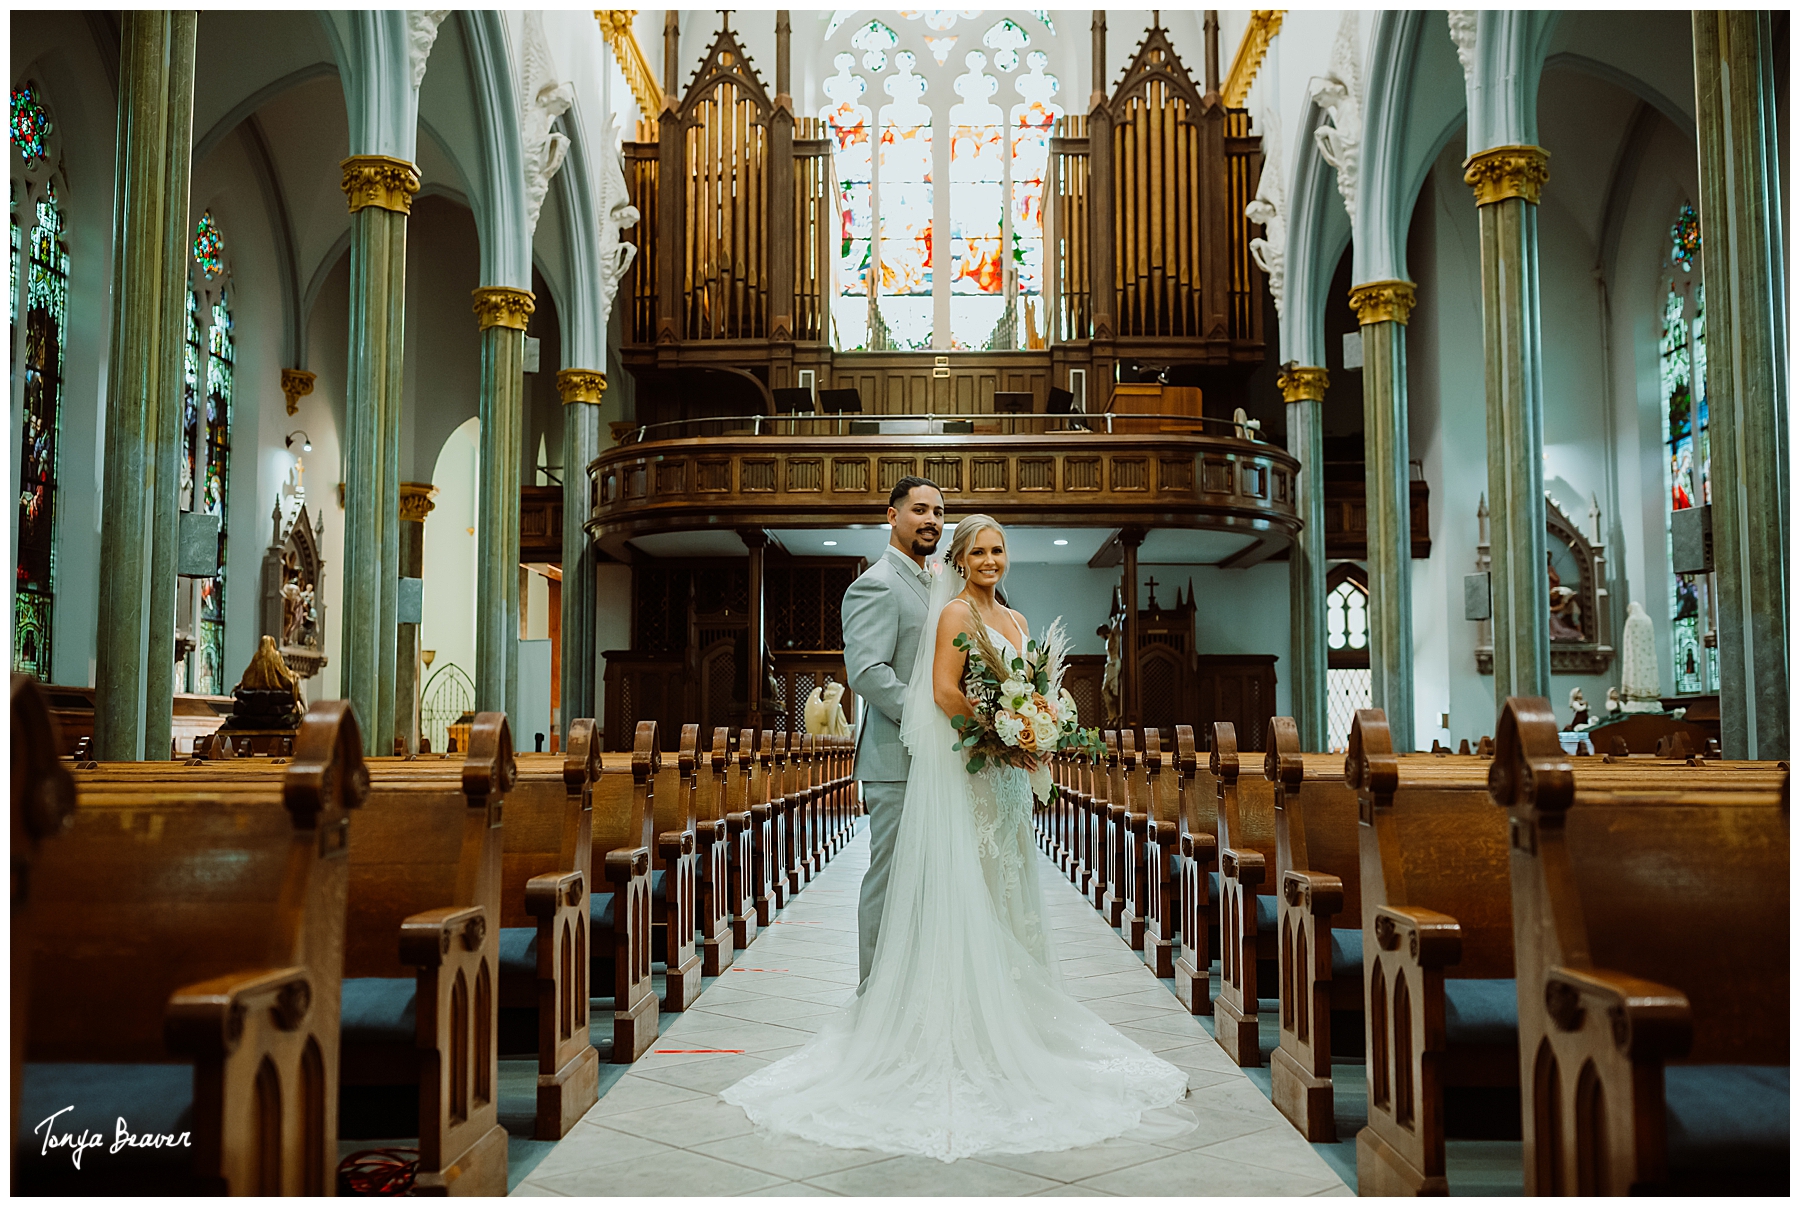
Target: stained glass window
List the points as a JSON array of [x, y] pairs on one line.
[[1348, 685], [31, 125], [47, 293], [1688, 456], [210, 674], [991, 153], [209, 247]]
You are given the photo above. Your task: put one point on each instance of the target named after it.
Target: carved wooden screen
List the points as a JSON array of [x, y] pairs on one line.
[[640, 178], [1157, 204], [815, 219], [1066, 233], [725, 152]]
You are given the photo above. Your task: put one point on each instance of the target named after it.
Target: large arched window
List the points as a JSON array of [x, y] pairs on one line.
[[1687, 461], [990, 145], [206, 444], [40, 289], [1347, 680]]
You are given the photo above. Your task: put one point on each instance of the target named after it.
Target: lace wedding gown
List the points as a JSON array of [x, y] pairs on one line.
[[963, 1041]]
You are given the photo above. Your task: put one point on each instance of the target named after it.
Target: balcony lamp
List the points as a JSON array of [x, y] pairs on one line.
[[305, 440]]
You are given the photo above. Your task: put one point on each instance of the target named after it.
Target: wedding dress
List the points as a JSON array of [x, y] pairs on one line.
[[963, 1040]]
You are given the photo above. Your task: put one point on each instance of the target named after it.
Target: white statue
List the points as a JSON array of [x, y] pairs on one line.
[[544, 99], [1613, 703], [1462, 32], [1578, 709], [1339, 93], [1268, 209], [825, 712], [1640, 683], [616, 213], [421, 34]]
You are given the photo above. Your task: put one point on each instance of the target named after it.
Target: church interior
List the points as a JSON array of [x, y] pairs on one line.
[[433, 743]]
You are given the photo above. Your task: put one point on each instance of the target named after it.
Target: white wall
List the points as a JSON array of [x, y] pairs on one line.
[[447, 622]]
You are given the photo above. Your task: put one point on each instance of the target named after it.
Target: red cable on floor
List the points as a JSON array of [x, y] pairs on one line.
[[378, 1171]]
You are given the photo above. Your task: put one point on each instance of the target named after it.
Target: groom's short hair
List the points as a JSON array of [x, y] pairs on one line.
[[906, 486]]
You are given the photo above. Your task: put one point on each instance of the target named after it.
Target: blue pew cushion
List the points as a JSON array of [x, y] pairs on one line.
[[518, 951], [1268, 910], [1346, 954], [657, 880], [1481, 1011], [1727, 1117], [600, 914], [380, 1010], [151, 1099]]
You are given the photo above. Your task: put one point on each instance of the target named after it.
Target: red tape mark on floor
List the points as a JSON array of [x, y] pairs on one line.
[[699, 1051], [736, 969]]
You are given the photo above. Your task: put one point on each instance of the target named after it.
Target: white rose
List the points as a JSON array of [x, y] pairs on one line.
[[1008, 726]]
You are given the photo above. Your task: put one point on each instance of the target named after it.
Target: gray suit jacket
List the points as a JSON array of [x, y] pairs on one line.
[[883, 611]]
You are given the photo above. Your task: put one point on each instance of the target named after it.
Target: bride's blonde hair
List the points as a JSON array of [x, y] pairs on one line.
[[966, 532]]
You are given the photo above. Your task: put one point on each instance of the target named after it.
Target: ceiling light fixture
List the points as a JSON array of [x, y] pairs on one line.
[[830, 544], [1059, 541]]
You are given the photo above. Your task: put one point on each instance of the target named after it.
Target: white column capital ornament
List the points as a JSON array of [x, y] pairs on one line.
[[1339, 92], [421, 34], [1268, 209], [1462, 32], [544, 99]]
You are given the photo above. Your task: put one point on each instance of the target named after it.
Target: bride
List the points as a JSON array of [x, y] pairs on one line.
[[963, 1040]]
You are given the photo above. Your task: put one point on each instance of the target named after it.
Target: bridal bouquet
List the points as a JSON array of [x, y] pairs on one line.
[[1023, 714]]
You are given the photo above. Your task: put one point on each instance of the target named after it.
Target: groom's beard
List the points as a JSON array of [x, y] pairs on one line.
[[923, 546]]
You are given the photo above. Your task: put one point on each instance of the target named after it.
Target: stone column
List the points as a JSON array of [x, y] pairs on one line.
[[757, 542], [1382, 308], [1508, 182], [150, 69], [163, 476], [415, 504], [1303, 388], [581, 391], [1131, 704], [1743, 263], [502, 312], [380, 190]]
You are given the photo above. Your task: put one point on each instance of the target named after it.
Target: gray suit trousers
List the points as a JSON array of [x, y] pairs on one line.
[[883, 800]]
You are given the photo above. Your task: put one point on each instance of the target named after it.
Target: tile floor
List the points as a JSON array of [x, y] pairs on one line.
[[660, 1129]]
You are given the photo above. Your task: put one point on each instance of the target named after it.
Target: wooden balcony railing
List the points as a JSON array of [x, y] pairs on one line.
[[1112, 470]]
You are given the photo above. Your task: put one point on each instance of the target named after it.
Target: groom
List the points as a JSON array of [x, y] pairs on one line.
[[883, 612]]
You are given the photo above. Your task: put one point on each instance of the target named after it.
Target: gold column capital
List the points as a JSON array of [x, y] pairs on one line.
[[503, 306], [1302, 383], [417, 500], [1384, 302], [381, 181], [1502, 172], [296, 384], [1264, 24], [580, 385]]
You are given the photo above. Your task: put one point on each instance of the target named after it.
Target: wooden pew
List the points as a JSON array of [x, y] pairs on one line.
[[185, 947], [1198, 905], [1110, 894], [672, 882], [714, 852], [1653, 1008], [770, 760], [1440, 1005], [1162, 853], [425, 869], [43, 798], [753, 894], [1133, 831], [786, 789], [624, 816], [1318, 879], [547, 871], [1247, 913]]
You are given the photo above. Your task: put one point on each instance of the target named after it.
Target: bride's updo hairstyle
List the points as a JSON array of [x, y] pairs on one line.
[[966, 532]]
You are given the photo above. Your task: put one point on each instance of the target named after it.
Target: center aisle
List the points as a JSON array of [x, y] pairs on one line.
[[661, 1130]]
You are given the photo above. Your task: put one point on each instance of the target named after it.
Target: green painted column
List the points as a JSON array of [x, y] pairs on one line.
[[503, 313], [162, 477], [1382, 308], [1508, 182], [380, 190], [1743, 263], [581, 391], [134, 378], [416, 503], [1303, 388]]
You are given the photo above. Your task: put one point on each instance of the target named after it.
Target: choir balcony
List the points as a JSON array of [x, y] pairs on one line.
[[1126, 471]]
